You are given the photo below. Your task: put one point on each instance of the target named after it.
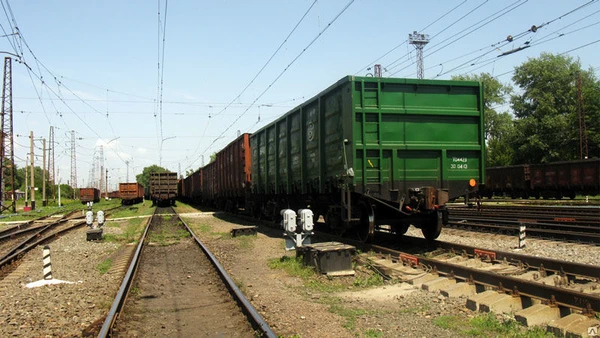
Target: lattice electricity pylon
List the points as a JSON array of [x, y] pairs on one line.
[[7, 151], [419, 40]]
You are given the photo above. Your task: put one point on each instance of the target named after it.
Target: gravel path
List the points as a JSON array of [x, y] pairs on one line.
[[290, 307]]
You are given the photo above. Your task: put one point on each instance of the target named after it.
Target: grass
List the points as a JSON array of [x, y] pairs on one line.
[[131, 231], [166, 237], [104, 266], [246, 242], [293, 267], [487, 325], [373, 333]]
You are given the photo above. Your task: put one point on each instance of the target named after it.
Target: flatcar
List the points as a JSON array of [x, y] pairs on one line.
[[89, 195], [367, 154], [163, 188], [131, 193], [547, 180]]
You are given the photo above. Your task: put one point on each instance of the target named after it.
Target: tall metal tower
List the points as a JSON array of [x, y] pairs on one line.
[[419, 40], [92, 174], [73, 163], [101, 168], [51, 175], [7, 158], [377, 70]]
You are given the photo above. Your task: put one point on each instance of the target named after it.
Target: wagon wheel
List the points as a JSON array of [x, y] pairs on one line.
[[432, 228], [365, 230]]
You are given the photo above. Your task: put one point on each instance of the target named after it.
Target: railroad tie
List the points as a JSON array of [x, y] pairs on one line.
[[47, 264]]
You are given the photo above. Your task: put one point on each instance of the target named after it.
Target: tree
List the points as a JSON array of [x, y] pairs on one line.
[[144, 177], [547, 125], [498, 127]]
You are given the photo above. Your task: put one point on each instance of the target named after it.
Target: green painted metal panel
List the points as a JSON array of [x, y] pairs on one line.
[[295, 148], [282, 154], [400, 133]]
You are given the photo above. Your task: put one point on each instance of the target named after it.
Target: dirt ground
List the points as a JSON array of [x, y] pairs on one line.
[[320, 306]]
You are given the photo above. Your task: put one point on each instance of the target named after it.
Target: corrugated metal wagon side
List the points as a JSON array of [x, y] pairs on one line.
[[233, 174], [371, 153], [89, 195], [163, 188], [131, 193]]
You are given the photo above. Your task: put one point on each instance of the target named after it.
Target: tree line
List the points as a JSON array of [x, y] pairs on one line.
[[551, 112]]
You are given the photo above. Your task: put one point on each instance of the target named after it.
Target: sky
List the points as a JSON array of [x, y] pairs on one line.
[[172, 82]]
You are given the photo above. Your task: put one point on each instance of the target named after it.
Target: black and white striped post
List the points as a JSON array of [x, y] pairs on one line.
[[47, 264], [522, 235]]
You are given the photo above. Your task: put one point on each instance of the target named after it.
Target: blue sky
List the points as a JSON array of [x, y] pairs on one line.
[[94, 67]]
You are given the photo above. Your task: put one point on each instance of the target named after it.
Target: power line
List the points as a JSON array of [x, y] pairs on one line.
[[405, 41], [270, 58], [277, 78]]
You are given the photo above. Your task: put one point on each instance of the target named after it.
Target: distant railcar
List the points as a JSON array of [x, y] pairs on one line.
[[547, 180], [131, 193], [113, 194], [89, 195], [163, 188]]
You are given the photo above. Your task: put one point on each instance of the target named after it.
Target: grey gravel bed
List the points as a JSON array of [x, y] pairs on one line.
[[63, 309], [571, 252]]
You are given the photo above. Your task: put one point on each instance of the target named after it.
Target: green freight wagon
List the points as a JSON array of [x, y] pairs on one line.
[[373, 154]]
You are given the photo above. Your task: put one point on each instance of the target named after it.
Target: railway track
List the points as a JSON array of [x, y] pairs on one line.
[[175, 286], [581, 225], [536, 290], [18, 240]]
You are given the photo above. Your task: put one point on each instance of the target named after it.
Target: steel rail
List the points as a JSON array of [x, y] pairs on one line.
[[24, 247], [121, 296], [258, 321], [555, 265], [560, 296]]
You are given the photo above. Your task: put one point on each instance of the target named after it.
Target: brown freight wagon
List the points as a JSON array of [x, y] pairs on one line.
[[559, 179], [233, 170], [209, 184], [131, 193], [513, 181], [89, 195], [113, 194], [163, 188]]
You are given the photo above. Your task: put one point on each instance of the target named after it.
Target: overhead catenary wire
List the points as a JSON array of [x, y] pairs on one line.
[[276, 79], [405, 41], [469, 30], [260, 71]]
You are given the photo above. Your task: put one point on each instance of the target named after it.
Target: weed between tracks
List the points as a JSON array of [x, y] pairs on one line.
[[104, 266], [487, 325]]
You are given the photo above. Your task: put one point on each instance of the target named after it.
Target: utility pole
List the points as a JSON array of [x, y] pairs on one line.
[[583, 142], [127, 179], [51, 176], [73, 164], [419, 40], [7, 158], [101, 172], [32, 171], [106, 183], [44, 201], [26, 186]]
